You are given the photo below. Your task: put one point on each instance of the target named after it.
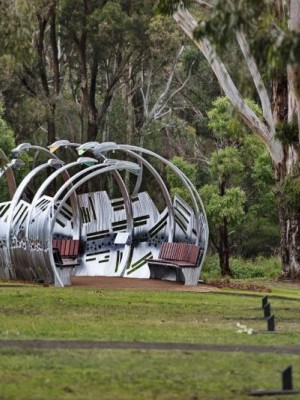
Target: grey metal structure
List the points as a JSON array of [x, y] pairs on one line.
[[116, 235]]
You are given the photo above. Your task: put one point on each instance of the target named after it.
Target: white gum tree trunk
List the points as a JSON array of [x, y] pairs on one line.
[[283, 107]]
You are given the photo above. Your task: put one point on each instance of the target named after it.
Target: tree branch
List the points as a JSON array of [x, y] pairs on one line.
[[163, 95], [257, 79], [187, 23]]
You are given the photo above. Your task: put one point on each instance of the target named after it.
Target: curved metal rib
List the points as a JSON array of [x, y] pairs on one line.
[[185, 180], [92, 172], [162, 186], [16, 198], [76, 212], [190, 187]]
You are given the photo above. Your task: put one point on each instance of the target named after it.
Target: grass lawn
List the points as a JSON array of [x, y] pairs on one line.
[[33, 312]]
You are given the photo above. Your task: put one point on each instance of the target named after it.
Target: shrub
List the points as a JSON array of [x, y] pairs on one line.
[[268, 268]]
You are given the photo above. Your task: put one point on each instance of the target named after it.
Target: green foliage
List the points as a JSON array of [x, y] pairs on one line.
[[7, 141], [231, 16], [225, 123], [181, 192], [110, 50], [202, 87], [229, 206], [289, 192], [168, 7], [222, 121], [268, 268], [277, 48], [176, 185], [264, 182], [226, 165], [287, 133], [260, 268], [190, 170], [163, 34], [240, 198], [242, 186], [251, 150], [15, 28], [258, 234], [273, 44]]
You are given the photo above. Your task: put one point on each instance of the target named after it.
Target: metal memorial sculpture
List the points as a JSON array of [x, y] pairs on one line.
[[70, 227]]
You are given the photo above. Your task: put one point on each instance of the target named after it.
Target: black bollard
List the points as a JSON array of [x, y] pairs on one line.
[[287, 386], [267, 310], [271, 323], [264, 301], [287, 380]]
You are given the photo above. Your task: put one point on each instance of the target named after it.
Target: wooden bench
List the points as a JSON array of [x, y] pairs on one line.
[[65, 252], [177, 260]]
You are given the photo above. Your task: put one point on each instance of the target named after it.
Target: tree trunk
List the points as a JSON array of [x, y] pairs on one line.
[[51, 126], [223, 246], [280, 100], [92, 131], [42, 65], [288, 191], [290, 242], [284, 109], [294, 69], [54, 46], [223, 249]]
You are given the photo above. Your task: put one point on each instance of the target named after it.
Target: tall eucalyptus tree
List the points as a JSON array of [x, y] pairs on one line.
[[268, 35], [33, 48]]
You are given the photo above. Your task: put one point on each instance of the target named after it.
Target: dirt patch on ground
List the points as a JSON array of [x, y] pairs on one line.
[[115, 283], [115, 345], [245, 286]]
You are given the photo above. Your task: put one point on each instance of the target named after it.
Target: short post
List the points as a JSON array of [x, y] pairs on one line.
[[287, 379], [264, 301], [271, 323], [267, 310], [287, 386]]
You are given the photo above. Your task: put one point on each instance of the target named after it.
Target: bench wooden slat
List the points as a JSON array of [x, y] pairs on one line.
[[176, 251], [65, 252], [179, 252], [194, 254], [182, 253], [76, 248], [163, 251], [67, 248], [63, 248], [72, 247], [166, 251], [172, 253], [181, 259]]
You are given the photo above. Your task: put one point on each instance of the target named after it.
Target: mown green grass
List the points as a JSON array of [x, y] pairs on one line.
[[70, 313], [34, 312], [137, 374]]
